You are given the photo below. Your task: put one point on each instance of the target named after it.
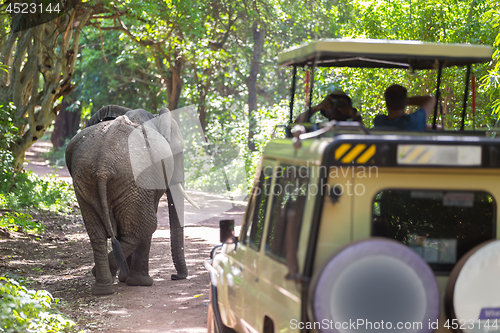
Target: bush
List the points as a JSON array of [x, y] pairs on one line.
[[32, 191], [24, 310]]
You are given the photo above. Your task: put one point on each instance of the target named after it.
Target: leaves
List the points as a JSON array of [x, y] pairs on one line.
[[26, 310]]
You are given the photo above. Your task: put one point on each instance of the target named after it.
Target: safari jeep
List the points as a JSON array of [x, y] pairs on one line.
[[350, 229]]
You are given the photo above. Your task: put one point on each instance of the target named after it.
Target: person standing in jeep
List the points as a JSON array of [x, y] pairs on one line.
[[336, 106], [396, 99]]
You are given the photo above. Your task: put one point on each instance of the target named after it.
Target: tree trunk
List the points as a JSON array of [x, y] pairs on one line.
[[202, 107], [203, 83], [66, 125], [258, 40], [174, 82], [43, 54]]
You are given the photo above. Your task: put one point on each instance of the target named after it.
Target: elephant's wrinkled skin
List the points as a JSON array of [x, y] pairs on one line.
[[99, 162]]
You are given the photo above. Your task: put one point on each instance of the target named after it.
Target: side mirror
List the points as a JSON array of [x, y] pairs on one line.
[[227, 232]]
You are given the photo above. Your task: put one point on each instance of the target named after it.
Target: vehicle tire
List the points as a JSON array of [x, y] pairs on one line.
[[377, 280], [473, 291]]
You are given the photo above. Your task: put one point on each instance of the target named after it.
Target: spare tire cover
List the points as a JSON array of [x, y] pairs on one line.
[[473, 291], [375, 285]]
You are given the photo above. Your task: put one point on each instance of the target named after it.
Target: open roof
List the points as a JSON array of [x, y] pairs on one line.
[[379, 53]]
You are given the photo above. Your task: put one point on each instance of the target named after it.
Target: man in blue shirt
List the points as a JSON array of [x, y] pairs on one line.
[[396, 100]]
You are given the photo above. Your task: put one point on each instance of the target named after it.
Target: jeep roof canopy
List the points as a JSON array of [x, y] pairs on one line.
[[378, 53]]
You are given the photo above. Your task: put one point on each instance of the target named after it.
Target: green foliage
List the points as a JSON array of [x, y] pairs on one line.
[[21, 222], [491, 81], [30, 191], [125, 78], [448, 21], [8, 134], [25, 310]]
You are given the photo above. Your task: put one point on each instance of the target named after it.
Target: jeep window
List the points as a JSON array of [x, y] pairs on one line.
[[441, 226], [258, 217], [289, 197]]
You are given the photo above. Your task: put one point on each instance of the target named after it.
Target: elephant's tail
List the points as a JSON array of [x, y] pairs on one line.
[[120, 260]]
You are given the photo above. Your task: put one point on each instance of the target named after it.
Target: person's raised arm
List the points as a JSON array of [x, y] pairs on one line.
[[302, 118], [425, 102]]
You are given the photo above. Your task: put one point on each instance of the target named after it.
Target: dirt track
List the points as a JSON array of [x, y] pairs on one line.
[[60, 261]]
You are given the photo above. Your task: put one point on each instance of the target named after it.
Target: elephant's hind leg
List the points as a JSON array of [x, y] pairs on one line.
[[113, 268], [139, 268], [98, 240], [122, 277]]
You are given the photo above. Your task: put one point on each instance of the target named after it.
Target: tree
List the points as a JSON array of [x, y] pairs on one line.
[[491, 81], [66, 124], [165, 31], [41, 62]]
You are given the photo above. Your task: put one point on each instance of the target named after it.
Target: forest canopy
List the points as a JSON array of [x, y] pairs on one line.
[[221, 57]]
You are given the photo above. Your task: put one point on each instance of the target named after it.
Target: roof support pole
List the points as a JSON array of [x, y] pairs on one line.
[[292, 97], [466, 95], [311, 86], [438, 94]]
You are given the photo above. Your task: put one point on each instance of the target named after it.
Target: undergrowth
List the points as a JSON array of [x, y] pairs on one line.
[[22, 192], [29, 191], [21, 222], [26, 310]]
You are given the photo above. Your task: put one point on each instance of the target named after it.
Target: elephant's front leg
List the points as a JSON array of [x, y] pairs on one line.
[[177, 231], [139, 268]]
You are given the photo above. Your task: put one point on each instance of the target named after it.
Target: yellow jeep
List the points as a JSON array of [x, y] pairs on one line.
[[350, 229]]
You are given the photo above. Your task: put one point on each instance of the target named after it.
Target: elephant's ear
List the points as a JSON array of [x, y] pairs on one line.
[[108, 112], [150, 157], [165, 124]]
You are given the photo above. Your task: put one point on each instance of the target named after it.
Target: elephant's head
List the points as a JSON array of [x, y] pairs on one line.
[[106, 113]]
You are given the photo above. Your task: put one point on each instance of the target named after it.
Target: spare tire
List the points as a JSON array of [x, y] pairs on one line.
[[378, 284], [472, 298]]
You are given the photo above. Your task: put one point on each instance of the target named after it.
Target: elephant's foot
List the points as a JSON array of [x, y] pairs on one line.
[[178, 276], [103, 289], [134, 279]]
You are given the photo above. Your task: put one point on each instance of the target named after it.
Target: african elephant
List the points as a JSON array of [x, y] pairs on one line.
[[118, 183]]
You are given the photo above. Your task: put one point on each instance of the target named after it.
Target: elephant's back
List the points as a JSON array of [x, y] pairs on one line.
[[99, 148], [79, 148]]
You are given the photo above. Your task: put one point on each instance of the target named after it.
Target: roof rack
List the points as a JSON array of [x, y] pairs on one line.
[[370, 53], [311, 131]]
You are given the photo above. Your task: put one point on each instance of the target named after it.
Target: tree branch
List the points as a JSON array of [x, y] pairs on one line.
[[124, 29]]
